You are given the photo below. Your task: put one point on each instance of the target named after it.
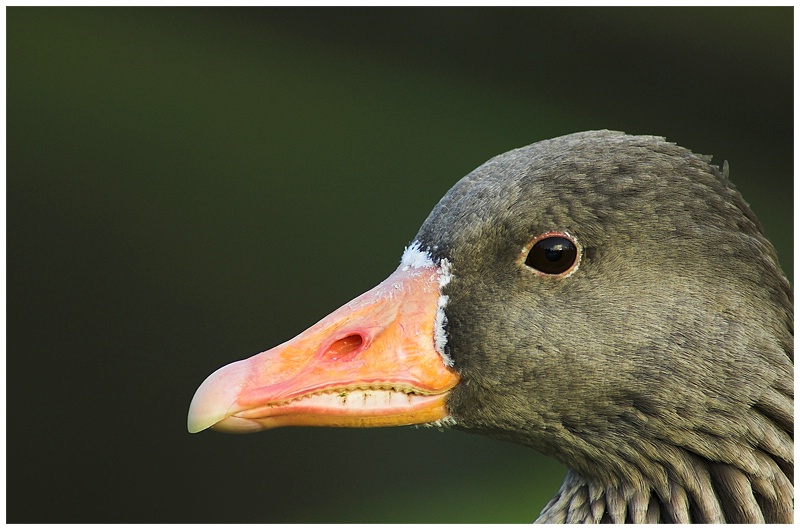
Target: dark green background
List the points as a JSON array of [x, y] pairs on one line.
[[187, 187]]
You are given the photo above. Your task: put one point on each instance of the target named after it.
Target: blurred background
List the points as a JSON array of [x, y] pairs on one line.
[[187, 187]]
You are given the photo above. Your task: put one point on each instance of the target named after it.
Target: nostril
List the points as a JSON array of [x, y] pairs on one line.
[[344, 346]]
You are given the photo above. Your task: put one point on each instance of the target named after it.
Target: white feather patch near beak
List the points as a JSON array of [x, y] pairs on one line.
[[414, 257]]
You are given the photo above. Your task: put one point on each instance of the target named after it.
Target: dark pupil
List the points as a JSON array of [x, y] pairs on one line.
[[552, 255]]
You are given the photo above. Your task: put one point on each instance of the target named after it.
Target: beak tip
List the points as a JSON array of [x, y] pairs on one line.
[[195, 423], [193, 429], [201, 418], [214, 398]]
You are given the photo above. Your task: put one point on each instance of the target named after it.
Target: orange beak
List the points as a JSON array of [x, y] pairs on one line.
[[370, 363]]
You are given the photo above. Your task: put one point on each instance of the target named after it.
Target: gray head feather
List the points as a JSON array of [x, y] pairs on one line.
[[661, 371]]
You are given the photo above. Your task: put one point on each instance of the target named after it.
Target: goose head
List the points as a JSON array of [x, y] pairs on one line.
[[606, 299]]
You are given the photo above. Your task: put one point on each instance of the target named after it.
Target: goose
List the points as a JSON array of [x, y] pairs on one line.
[[606, 299]]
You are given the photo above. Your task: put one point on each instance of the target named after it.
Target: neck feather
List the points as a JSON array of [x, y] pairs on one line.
[[749, 481]]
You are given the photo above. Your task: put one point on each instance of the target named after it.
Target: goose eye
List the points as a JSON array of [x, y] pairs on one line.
[[553, 254]]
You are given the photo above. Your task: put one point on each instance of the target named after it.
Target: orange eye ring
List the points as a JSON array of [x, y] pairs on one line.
[[553, 254]]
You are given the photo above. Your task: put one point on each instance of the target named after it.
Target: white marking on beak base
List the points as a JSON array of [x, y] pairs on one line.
[[415, 257]]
